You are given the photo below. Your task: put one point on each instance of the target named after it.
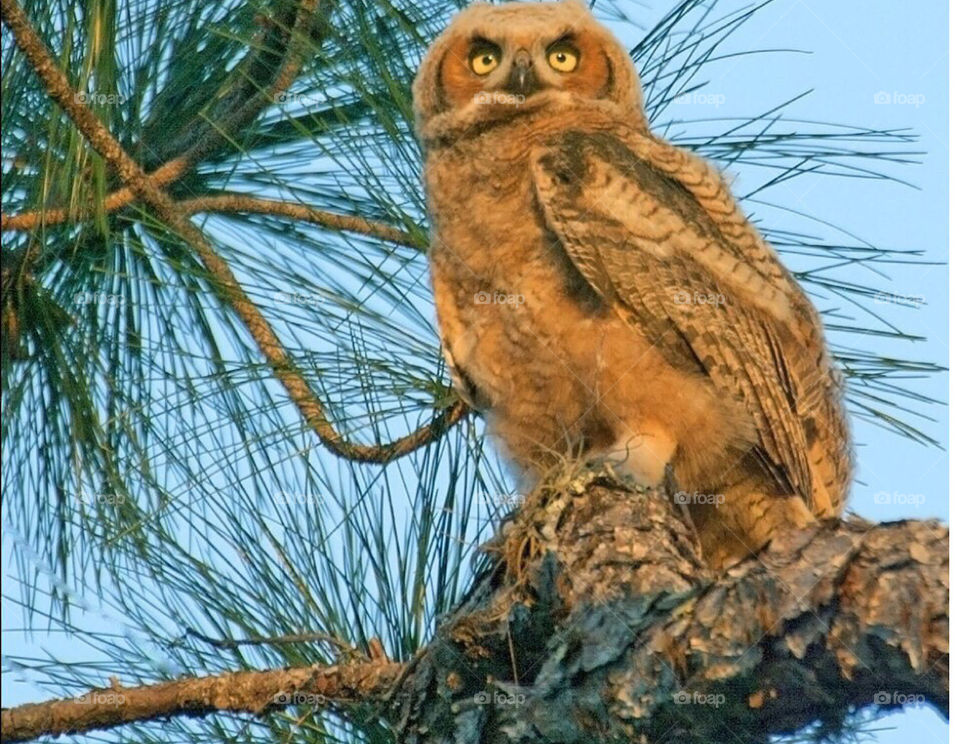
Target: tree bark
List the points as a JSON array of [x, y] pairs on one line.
[[618, 632]]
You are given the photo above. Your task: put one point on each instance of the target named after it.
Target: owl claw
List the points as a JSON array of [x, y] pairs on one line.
[[613, 469]]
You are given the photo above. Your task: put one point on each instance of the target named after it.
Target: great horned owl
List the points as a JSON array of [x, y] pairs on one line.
[[600, 293]]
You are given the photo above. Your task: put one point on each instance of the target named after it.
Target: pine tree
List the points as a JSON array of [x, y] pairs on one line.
[[230, 443]]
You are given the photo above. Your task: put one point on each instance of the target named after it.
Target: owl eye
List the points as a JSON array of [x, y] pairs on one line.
[[485, 59], [563, 57]]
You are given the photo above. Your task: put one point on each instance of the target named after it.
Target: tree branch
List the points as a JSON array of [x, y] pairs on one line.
[[616, 631], [223, 280], [162, 176], [601, 623], [256, 692]]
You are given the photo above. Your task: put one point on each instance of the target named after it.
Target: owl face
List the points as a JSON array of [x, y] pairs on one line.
[[496, 65], [500, 61]]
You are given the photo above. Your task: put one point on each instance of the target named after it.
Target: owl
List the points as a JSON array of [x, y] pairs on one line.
[[599, 292]]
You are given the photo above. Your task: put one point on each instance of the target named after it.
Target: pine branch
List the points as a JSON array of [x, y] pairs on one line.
[[115, 200], [225, 283], [255, 692], [608, 627], [228, 202], [206, 134]]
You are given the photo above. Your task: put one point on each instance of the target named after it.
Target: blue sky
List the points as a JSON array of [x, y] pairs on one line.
[[860, 55]]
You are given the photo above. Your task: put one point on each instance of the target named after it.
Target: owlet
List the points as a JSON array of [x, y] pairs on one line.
[[599, 292]]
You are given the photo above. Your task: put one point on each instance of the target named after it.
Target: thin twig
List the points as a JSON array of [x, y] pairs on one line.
[[230, 202], [341, 645], [225, 202], [224, 282], [162, 176]]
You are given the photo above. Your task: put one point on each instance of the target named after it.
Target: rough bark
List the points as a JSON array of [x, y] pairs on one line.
[[618, 632]]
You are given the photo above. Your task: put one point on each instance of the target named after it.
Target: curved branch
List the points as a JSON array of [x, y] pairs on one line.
[[256, 692], [222, 279], [211, 133]]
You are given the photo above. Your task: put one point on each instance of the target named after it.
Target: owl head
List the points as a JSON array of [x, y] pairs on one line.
[[500, 61]]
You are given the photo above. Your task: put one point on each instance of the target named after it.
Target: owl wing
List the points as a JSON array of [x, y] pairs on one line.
[[655, 232]]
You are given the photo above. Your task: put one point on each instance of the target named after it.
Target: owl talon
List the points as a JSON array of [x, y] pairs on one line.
[[605, 467]]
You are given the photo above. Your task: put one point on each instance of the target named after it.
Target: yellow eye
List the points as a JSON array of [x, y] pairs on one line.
[[563, 58], [485, 60]]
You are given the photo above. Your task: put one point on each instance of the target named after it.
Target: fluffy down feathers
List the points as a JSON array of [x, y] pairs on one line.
[[600, 293]]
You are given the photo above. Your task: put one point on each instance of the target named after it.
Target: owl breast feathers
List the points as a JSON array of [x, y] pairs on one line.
[[601, 295]]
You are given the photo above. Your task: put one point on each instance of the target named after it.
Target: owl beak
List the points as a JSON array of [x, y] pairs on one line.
[[523, 80]]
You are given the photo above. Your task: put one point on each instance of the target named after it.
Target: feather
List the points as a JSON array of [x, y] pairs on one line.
[[657, 234]]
